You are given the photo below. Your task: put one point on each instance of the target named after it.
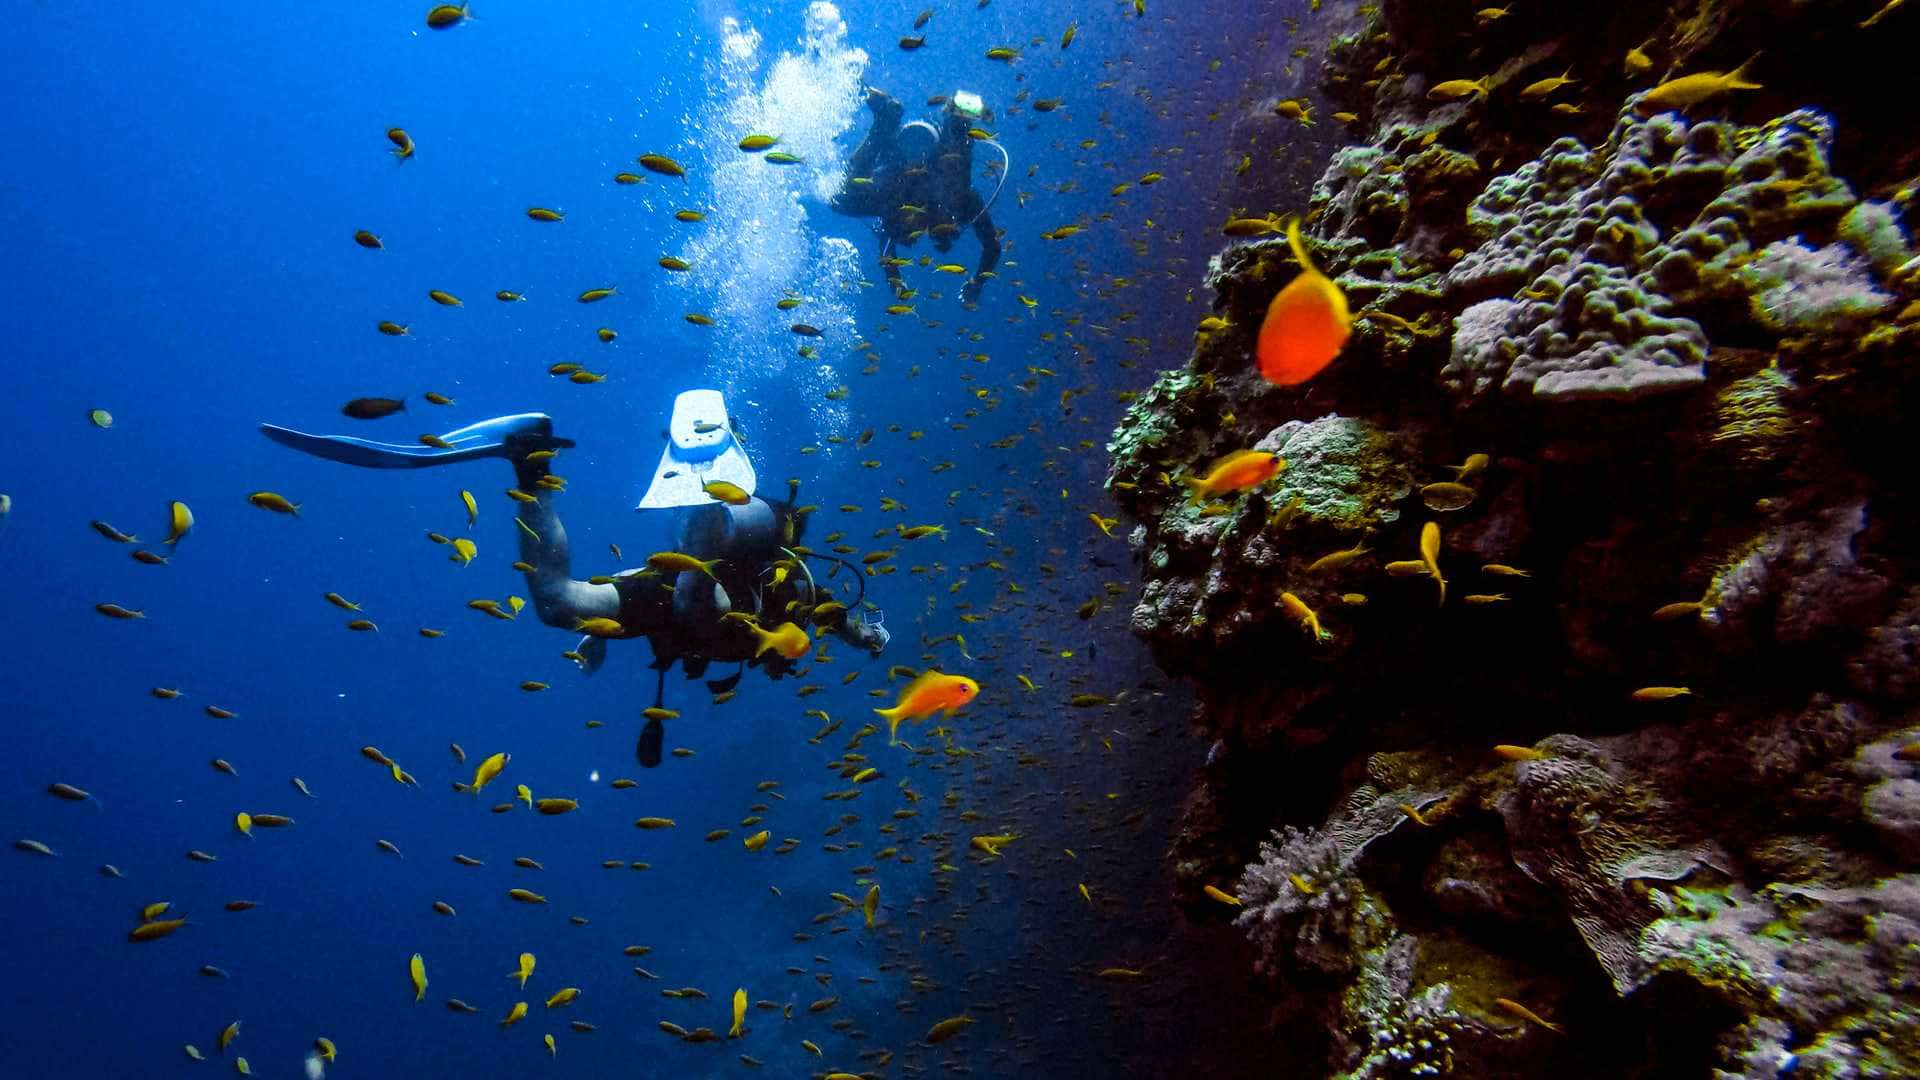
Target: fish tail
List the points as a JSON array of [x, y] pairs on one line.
[[1738, 79], [1299, 249]]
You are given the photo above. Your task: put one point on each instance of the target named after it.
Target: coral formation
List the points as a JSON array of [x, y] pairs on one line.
[[1791, 959], [1634, 382]]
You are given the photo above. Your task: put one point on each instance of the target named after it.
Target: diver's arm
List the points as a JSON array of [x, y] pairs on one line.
[[557, 597]]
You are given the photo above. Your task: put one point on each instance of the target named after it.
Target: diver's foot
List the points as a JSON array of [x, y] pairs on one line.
[[884, 105]]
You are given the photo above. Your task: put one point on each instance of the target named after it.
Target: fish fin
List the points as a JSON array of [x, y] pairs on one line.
[[1198, 486], [1737, 79]]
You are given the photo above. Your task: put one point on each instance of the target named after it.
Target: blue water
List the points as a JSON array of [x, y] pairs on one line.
[[181, 187]]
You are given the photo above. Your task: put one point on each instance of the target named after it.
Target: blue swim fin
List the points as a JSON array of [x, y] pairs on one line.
[[502, 436]]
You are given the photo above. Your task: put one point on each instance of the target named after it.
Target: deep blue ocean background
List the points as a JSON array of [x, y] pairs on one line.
[[181, 187]]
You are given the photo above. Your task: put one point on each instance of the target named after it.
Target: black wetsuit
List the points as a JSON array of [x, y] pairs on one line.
[[647, 603], [933, 198]]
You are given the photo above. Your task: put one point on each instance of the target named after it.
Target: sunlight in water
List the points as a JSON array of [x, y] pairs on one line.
[[757, 243]]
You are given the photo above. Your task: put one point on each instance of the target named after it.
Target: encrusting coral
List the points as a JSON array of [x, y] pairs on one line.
[[1637, 390]]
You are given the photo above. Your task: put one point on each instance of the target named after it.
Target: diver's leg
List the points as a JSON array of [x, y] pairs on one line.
[[557, 597], [880, 146], [882, 137]]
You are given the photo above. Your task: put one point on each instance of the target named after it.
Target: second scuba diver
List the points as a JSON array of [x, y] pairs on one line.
[[754, 581], [918, 180]]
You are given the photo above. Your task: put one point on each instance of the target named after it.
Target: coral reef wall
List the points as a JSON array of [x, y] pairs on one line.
[[1625, 779]]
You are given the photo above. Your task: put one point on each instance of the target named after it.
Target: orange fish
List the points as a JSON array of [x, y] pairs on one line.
[[1237, 471], [1306, 325], [932, 692]]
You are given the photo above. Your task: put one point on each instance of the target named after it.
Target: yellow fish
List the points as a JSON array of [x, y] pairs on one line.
[[489, 769], [182, 520], [1430, 555], [662, 164], [1660, 693], [739, 1013], [992, 844], [1455, 89], [417, 968], [787, 639], [673, 562], [729, 493], [948, 1028], [1693, 89], [526, 969]]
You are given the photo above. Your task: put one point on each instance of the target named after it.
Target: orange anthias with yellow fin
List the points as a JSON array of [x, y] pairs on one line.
[[933, 692], [1238, 471], [1306, 325]]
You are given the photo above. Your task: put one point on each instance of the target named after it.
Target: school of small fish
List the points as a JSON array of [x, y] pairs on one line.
[[918, 811]]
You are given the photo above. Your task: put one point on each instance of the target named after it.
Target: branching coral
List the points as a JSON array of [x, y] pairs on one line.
[[1302, 894]]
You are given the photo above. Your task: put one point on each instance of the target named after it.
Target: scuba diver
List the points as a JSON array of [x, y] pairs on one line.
[[749, 545], [918, 180]]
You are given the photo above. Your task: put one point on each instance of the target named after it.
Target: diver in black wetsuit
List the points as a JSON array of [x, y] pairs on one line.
[[918, 180], [759, 571]]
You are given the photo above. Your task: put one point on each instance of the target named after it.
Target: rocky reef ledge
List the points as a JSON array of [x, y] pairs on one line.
[[1630, 786]]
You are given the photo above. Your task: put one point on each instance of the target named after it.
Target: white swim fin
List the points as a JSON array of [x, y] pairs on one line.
[[701, 448]]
